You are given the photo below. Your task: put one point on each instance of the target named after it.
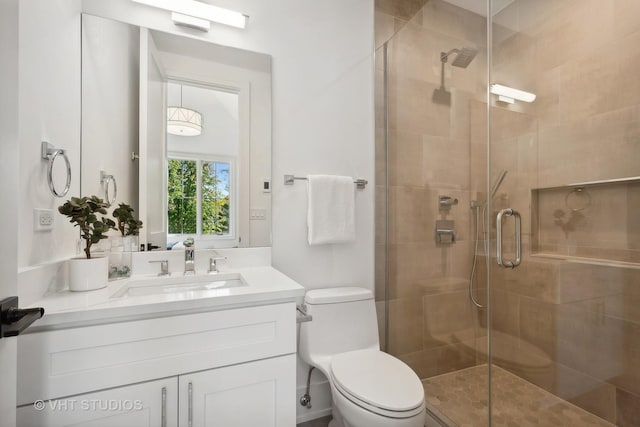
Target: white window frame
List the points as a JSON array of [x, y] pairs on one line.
[[232, 236]]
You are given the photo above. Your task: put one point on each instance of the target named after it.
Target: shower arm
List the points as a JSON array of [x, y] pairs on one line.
[[443, 60], [445, 55]]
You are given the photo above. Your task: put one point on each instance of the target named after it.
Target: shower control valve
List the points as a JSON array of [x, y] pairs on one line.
[[445, 202]]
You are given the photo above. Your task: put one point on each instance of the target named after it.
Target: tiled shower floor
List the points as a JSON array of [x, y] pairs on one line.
[[460, 399]]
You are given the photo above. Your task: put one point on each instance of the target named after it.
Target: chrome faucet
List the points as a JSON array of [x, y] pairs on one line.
[[189, 257], [213, 264], [164, 267]]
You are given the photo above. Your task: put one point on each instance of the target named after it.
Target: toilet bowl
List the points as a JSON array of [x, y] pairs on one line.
[[369, 388]]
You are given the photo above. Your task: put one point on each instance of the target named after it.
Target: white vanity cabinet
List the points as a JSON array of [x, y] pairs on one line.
[[258, 393], [154, 403], [233, 367]]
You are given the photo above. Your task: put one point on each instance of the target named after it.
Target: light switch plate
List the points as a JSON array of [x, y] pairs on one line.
[[258, 214], [43, 219]]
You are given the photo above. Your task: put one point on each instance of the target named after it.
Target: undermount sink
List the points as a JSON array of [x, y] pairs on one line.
[[164, 285]]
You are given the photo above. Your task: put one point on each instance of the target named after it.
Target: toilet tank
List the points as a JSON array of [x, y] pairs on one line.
[[344, 319]]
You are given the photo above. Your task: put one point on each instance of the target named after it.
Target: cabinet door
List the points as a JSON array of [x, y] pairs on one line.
[[260, 393], [153, 403]]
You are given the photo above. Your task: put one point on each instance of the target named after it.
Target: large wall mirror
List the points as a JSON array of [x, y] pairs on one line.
[[182, 129]]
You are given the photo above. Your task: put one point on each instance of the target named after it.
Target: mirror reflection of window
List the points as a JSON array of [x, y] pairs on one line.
[[215, 201], [182, 196], [201, 173], [199, 197]]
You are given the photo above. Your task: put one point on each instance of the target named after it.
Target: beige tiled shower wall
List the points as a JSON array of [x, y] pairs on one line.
[[570, 326], [431, 323]]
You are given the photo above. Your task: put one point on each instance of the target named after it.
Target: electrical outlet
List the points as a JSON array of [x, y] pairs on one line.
[[43, 219], [258, 214]]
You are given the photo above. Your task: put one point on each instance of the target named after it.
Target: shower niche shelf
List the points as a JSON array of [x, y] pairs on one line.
[[597, 220]]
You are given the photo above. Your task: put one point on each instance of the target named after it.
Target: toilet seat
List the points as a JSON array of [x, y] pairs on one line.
[[378, 382]]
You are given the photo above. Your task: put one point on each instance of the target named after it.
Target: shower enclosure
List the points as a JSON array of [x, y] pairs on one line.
[[519, 304]]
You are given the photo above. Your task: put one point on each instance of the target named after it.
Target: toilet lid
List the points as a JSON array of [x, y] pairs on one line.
[[378, 379]]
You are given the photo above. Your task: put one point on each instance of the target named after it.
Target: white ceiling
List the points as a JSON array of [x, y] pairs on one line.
[[480, 6]]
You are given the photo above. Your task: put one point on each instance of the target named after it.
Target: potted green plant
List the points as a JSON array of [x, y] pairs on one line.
[[127, 242], [88, 272], [127, 223]]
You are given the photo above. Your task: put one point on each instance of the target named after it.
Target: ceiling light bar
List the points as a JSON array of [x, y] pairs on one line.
[[509, 94], [200, 10]]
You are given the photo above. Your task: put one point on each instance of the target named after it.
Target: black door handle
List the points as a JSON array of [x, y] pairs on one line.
[[14, 314], [14, 320]]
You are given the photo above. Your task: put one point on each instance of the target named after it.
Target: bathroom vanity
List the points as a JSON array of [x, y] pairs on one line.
[[165, 351]]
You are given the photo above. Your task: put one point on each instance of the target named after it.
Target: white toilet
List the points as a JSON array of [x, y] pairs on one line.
[[369, 388]]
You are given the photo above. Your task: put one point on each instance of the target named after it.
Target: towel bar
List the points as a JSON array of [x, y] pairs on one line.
[[289, 180]]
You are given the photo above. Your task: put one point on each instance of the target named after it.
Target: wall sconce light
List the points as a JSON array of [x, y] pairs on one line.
[[184, 9], [510, 95], [190, 22]]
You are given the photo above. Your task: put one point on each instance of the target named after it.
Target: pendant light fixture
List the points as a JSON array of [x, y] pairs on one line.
[[183, 121]]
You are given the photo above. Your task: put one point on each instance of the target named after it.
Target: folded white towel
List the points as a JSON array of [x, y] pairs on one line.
[[331, 209]]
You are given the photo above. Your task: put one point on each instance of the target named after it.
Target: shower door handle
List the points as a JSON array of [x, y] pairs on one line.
[[516, 217]]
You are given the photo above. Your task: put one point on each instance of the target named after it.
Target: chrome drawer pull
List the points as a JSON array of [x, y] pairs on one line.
[[190, 405], [164, 407]]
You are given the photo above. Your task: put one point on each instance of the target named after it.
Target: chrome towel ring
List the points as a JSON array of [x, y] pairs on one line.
[[51, 153], [105, 180], [578, 199]]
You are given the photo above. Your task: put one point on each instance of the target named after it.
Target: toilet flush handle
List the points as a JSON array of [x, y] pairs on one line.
[[302, 314]]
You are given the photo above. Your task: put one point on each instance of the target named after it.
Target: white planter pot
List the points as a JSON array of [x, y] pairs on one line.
[[88, 274]]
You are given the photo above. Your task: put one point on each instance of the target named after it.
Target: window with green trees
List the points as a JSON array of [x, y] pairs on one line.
[[199, 197]]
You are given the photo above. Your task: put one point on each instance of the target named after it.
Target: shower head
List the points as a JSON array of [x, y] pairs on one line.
[[497, 183], [463, 58]]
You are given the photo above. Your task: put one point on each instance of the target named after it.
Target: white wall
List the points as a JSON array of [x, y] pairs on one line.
[[322, 115], [110, 99], [49, 109]]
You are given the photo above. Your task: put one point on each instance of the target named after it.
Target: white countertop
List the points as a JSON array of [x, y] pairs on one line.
[[63, 309]]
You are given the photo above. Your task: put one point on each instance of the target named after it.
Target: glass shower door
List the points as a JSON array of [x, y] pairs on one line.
[[430, 145], [564, 322]]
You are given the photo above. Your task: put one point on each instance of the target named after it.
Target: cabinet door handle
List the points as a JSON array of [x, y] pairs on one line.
[[516, 216], [190, 404], [163, 421]]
